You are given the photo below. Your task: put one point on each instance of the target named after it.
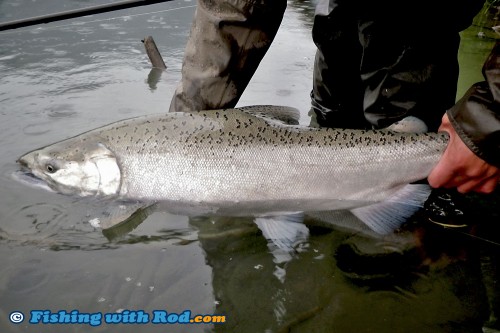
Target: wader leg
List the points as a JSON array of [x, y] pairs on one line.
[[228, 40]]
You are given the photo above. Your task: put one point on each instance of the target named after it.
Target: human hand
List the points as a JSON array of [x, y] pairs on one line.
[[459, 167]]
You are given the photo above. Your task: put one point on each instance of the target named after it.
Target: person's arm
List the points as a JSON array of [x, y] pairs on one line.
[[471, 161], [228, 40]]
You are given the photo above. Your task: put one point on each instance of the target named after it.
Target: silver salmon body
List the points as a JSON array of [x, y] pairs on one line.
[[224, 158]]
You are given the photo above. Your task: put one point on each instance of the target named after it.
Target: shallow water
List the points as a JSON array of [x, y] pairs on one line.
[[68, 77]]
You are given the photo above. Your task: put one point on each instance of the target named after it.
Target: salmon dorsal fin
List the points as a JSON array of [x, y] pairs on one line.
[[282, 114]]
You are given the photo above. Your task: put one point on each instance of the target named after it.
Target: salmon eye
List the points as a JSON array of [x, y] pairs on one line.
[[50, 168]]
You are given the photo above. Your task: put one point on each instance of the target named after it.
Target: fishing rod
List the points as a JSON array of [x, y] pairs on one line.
[[461, 229], [76, 13]]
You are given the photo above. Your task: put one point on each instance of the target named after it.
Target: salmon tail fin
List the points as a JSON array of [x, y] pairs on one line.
[[386, 216]]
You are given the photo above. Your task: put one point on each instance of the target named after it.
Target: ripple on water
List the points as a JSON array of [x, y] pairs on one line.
[[67, 225], [109, 26], [56, 52], [62, 111], [39, 218], [52, 226], [38, 128], [10, 57]]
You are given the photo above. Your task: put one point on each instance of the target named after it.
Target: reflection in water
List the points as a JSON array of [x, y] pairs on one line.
[[306, 9], [244, 280], [476, 43], [154, 77], [424, 278]]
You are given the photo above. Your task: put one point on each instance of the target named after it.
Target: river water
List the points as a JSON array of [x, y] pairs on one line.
[[67, 77]]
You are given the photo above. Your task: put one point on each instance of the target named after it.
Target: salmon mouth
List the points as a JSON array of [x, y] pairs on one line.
[[25, 176], [23, 163], [25, 170]]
